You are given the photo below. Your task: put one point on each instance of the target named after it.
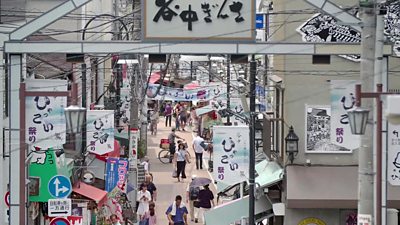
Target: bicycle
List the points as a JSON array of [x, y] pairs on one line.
[[164, 155]]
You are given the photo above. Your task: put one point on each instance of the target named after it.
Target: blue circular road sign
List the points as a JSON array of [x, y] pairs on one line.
[[60, 186]]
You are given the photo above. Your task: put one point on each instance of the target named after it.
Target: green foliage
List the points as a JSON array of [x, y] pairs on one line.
[[142, 148]]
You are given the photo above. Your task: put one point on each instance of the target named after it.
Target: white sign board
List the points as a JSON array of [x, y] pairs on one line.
[[133, 148], [364, 219], [59, 207], [228, 20], [393, 154]]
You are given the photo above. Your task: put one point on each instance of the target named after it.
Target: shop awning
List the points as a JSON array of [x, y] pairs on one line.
[[91, 192], [269, 173], [235, 210], [313, 187]]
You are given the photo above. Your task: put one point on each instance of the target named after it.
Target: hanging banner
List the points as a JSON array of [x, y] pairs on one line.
[[133, 147], [393, 154], [100, 131], [180, 94], [116, 170], [343, 99], [125, 107], [45, 119], [231, 154]]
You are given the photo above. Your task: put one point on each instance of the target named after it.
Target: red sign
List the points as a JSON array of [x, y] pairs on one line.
[[7, 199], [60, 221]]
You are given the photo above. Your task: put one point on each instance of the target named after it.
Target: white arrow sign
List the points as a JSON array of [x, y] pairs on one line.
[[63, 189]]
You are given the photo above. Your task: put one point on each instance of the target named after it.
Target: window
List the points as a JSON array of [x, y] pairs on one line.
[[321, 59]]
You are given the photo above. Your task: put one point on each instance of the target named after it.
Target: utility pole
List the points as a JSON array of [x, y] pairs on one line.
[[365, 153], [253, 72], [228, 88]]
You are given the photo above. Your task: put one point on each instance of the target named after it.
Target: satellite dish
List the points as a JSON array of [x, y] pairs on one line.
[[88, 177]]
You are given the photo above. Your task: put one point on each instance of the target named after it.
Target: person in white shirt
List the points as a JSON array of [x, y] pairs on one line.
[[114, 220], [198, 147], [143, 197]]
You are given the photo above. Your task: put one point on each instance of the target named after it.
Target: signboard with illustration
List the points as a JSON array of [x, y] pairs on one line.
[[343, 99], [155, 92], [210, 20], [231, 154], [318, 131], [45, 119], [325, 28], [100, 131], [311, 221], [125, 107]]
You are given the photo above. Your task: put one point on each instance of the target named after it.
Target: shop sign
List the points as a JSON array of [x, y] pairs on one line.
[[311, 221], [133, 148], [155, 92], [116, 170], [343, 99], [45, 119], [125, 107], [59, 207], [364, 219], [393, 155], [211, 20], [100, 131], [42, 167], [231, 154]]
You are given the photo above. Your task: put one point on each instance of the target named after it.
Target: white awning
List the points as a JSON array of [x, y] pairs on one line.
[[269, 173], [204, 110], [235, 210]]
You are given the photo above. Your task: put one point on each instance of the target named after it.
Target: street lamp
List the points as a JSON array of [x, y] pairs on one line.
[[358, 120], [75, 117], [292, 144]]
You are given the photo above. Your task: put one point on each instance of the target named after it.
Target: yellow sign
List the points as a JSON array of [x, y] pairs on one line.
[[312, 221]]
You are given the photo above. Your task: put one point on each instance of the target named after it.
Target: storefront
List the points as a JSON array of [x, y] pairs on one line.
[[326, 195]]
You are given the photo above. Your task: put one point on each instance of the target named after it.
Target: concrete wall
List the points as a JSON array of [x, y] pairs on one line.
[[308, 84]]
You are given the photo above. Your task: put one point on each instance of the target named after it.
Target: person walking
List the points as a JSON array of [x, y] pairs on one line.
[[206, 200], [181, 157], [168, 114], [151, 187], [198, 147], [171, 140], [183, 115], [154, 118], [143, 197], [150, 217], [177, 212], [192, 194]]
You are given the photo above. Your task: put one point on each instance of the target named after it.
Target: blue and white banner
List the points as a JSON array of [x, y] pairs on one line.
[[343, 99], [231, 154], [45, 119], [116, 170], [100, 131], [180, 94]]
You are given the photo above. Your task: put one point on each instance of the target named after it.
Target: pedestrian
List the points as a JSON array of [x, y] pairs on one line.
[[154, 118], [183, 115], [171, 140], [168, 114], [177, 212], [151, 187], [192, 194], [150, 217], [198, 147], [181, 158], [177, 110], [143, 197], [114, 220], [206, 200]]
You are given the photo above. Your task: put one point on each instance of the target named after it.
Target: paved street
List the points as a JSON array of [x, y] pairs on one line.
[[168, 187]]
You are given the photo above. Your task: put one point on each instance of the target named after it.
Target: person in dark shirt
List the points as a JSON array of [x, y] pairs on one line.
[[206, 200], [151, 187]]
